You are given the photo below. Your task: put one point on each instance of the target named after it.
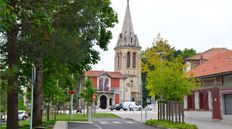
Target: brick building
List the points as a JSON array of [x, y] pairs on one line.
[[213, 68], [108, 86]]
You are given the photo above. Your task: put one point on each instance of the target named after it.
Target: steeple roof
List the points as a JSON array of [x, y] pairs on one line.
[[127, 24], [127, 38]]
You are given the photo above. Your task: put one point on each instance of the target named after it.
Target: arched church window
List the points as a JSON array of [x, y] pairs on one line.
[[118, 55], [134, 60], [128, 59]]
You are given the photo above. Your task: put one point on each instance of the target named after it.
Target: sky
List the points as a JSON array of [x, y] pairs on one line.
[[197, 24]]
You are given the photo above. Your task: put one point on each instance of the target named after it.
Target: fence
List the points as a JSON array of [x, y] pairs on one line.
[[171, 111]]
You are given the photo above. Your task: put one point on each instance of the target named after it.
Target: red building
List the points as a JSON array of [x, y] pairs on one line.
[[108, 85], [213, 68]]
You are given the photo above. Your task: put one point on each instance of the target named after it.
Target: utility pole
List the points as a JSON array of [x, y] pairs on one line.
[[33, 76]]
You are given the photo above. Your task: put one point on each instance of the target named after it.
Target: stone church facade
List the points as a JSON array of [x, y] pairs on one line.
[[127, 59], [127, 64]]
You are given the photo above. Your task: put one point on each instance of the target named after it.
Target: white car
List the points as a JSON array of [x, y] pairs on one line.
[[131, 106], [135, 107], [21, 116], [151, 106]]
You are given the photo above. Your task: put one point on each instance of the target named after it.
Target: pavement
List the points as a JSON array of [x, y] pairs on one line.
[[201, 118]]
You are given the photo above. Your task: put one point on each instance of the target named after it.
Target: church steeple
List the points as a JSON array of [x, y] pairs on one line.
[[127, 24], [127, 38], [127, 59]]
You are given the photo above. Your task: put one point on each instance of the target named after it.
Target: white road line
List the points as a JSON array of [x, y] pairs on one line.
[[97, 126], [129, 122], [103, 122], [116, 122]]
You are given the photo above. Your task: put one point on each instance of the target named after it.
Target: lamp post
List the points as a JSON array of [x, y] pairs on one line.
[[33, 76], [160, 53]]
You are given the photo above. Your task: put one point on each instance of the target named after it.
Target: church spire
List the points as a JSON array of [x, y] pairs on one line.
[[127, 38], [127, 24]]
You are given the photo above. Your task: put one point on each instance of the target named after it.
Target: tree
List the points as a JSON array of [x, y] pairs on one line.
[[169, 82], [186, 53], [151, 60], [87, 91], [36, 30]]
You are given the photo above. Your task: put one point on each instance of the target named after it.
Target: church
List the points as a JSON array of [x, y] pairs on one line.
[[124, 83]]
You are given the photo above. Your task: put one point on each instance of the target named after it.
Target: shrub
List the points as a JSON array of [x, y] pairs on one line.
[[167, 124]]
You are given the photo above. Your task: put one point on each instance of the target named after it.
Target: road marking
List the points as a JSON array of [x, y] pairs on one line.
[[129, 122], [104, 122], [97, 126], [116, 122]]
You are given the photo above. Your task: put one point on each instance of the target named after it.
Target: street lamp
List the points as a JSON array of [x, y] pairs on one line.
[[160, 53]]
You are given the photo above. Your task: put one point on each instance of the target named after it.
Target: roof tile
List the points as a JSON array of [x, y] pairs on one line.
[[221, 63]]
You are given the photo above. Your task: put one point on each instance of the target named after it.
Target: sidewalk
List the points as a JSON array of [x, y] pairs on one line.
[[201, 119], [61, 125]]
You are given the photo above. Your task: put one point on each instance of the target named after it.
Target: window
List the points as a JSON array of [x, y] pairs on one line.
[[103, 84], [134, 60], [118, 56], [128, 60], [100, 84], [106, 85]]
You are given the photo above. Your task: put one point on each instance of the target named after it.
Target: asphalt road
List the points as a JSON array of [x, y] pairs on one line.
[[108, 123]]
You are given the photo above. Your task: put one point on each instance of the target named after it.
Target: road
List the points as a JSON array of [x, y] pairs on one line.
[[110, 123]]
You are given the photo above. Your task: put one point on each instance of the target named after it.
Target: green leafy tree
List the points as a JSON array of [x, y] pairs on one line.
[[186, 53], [165, 79], [151, 59], [61, 31], [169, 82], [87, 91]]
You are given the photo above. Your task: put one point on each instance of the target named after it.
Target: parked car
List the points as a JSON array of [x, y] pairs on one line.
[[151, 106], [135, 107], [131, 106], [21, 116], [116, 107], [4, 117]]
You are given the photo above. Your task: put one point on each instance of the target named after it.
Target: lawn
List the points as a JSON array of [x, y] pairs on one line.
[[76, 117]]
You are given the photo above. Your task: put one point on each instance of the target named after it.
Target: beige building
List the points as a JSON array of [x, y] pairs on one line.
[[127, 60]]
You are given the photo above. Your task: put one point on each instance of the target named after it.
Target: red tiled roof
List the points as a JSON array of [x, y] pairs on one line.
[[209, 53], [219, 64], [94, 73]]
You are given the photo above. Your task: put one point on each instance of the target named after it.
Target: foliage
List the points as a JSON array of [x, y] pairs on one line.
[[169, 81], [60, 32], [186, 53], [151, 57], [167, 124], [87, 91], [163, 71]]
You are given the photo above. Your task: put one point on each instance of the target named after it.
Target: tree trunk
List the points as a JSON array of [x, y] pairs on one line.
[[12, 89], [38, 94], [48, 111], [55, 112]]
